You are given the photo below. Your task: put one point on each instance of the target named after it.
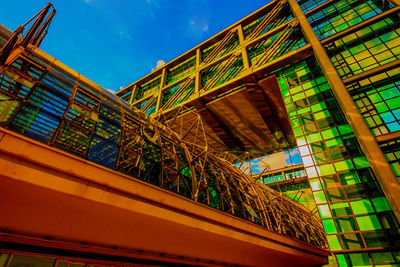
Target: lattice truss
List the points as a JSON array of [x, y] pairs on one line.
[[266, 38], [196, 172], [44, 101], [64, 112]]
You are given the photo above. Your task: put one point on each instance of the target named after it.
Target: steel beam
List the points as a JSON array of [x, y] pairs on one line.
[[197, 78], [134, 90], [160, 92], [245, 56], [388, 137], [372, 72], [374, 154]]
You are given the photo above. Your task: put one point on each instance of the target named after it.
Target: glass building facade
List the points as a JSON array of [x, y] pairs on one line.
[[361, 39]]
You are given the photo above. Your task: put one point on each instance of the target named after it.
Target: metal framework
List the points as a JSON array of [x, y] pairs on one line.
[[337, 66], [218, 64], [45, 100], [320, 74]]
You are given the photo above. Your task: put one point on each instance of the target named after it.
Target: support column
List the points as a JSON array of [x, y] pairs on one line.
[[160, 93], [245, 57], [197, 77], [134, 90], [374, 154]]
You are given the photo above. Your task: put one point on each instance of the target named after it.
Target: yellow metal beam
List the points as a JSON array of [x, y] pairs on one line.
[[372, 72], [134, 90], [197, 78], [243, 48], [388, 137], [160, 93]]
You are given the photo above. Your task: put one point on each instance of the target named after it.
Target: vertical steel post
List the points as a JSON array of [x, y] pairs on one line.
[[133, 93], [375, 156], [245, 57], [197, 72], [162, 82]]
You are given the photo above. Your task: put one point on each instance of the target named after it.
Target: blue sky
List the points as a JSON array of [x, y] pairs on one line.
[[116, 42]]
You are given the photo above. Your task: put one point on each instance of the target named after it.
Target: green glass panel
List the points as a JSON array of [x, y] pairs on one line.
[[341, 260], [297, 131], [349, 178], [333, 143], [312, 172], [345, 129], [339, 153], [330, 133], [361, 206], [324, 87], [319, 197], [303, 111], [375, 239], [296, 89], [311, 92], [326, 169], [346, 224], [315, 184], [393, 103], [352, 241], [381, 257], [387, 220], [334, 243], [315, 137], [330, 181], [335, 195], [340, 209], [318, 106], [344, 165], [295, 123], [324, 211], [298, 96], [361, 162], [381, 107], [368, 222], [318, 147], [375, 98], [322, 114], [329, 226], [380, 204], [359, 259]]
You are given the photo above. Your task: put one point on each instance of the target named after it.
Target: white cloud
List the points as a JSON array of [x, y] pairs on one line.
[[125, 35], [198, 26], [159, 64]]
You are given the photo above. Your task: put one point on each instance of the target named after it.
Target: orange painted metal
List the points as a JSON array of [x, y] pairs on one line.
[[49, 193]]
